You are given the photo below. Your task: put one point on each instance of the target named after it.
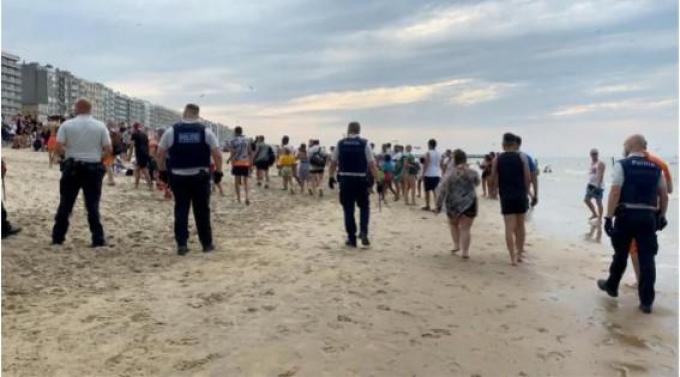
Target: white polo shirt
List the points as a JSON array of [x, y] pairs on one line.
[[84, 138]]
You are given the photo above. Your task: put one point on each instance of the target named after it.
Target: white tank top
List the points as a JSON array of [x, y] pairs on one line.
[[434, 168], [593, 179]]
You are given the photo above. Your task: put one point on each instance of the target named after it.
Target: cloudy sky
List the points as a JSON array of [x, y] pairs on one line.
[[566, 75]]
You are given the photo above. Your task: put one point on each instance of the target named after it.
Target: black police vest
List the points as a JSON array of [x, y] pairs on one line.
[[640, 182], [189, 148], [352, 157]]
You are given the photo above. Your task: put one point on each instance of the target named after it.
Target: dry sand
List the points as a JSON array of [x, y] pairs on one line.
[[282, 297]]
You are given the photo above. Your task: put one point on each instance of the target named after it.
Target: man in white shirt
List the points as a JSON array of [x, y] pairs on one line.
[[432, 172], [84, 140]]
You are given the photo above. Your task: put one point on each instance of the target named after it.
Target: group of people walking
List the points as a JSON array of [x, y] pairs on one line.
[[189, 160]]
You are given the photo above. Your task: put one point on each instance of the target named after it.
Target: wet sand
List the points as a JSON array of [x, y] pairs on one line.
[[281, 296]]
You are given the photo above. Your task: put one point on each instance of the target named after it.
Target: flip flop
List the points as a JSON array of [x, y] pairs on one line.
[[453, 251]]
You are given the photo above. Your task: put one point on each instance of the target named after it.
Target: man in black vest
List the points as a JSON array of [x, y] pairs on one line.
[[638, 199], [353, 159], [190, 145]]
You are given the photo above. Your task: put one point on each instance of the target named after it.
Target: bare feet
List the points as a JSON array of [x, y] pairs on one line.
[[455, 250]]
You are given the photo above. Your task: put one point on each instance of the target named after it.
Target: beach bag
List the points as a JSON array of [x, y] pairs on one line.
[[318, 158]]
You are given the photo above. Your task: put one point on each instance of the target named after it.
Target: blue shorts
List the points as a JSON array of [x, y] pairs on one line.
[[594, 192]]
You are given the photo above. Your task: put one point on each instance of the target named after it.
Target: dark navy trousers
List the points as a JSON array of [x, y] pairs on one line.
[[638, 225], [192, 191], [354, 191]]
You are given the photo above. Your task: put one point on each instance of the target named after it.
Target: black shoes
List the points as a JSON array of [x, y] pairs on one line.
[[647, 309], [602, 284], [182, 250], [95, 245], [365, 241], [351, 243], [10, 232]]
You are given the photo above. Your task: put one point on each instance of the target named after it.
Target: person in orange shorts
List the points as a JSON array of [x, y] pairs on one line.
[[53, 126], [241, 158], [658, 161]]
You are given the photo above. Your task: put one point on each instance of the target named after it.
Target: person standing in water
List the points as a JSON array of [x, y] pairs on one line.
[[486, 172], [595, 187], [510, 173], [353, 160], [458, 195]]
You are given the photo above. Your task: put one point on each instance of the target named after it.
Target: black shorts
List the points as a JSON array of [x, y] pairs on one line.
[[240, 171], [262, 165], [142, 160], [471, 212], [514, 206], [316, 169], [431, 183]]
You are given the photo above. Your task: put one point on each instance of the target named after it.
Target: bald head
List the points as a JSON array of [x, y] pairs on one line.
[[82, 106], [635, 143]]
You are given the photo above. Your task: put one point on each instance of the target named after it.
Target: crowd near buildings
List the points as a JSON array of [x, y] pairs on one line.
[[40, 91]]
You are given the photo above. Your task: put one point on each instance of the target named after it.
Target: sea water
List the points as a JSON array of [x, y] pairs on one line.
[[561, 212]]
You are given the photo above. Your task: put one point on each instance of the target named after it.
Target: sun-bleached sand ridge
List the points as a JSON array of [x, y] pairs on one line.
[[281, 296]]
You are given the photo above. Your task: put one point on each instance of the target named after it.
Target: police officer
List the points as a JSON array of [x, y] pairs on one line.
[[189, 145], [637, 201], [353, 159], [84, 140]]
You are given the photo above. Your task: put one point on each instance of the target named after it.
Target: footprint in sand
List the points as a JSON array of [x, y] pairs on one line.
[[626, 369], [290, 372], [436, 333], [188, 341], [185, 365]]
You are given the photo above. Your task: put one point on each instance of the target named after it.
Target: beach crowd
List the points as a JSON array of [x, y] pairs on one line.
[[183, 163]]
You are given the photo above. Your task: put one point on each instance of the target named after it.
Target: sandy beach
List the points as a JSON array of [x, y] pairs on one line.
[[281, 296]]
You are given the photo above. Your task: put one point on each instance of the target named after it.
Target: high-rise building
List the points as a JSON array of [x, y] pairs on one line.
[[39, 91], [138, 111], [43, 90], [122, 108], [162, 117], [11, 85]]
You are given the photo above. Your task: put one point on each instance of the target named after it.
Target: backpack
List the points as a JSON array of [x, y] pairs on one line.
[[413, 167], [318, 158], [271, 156]]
